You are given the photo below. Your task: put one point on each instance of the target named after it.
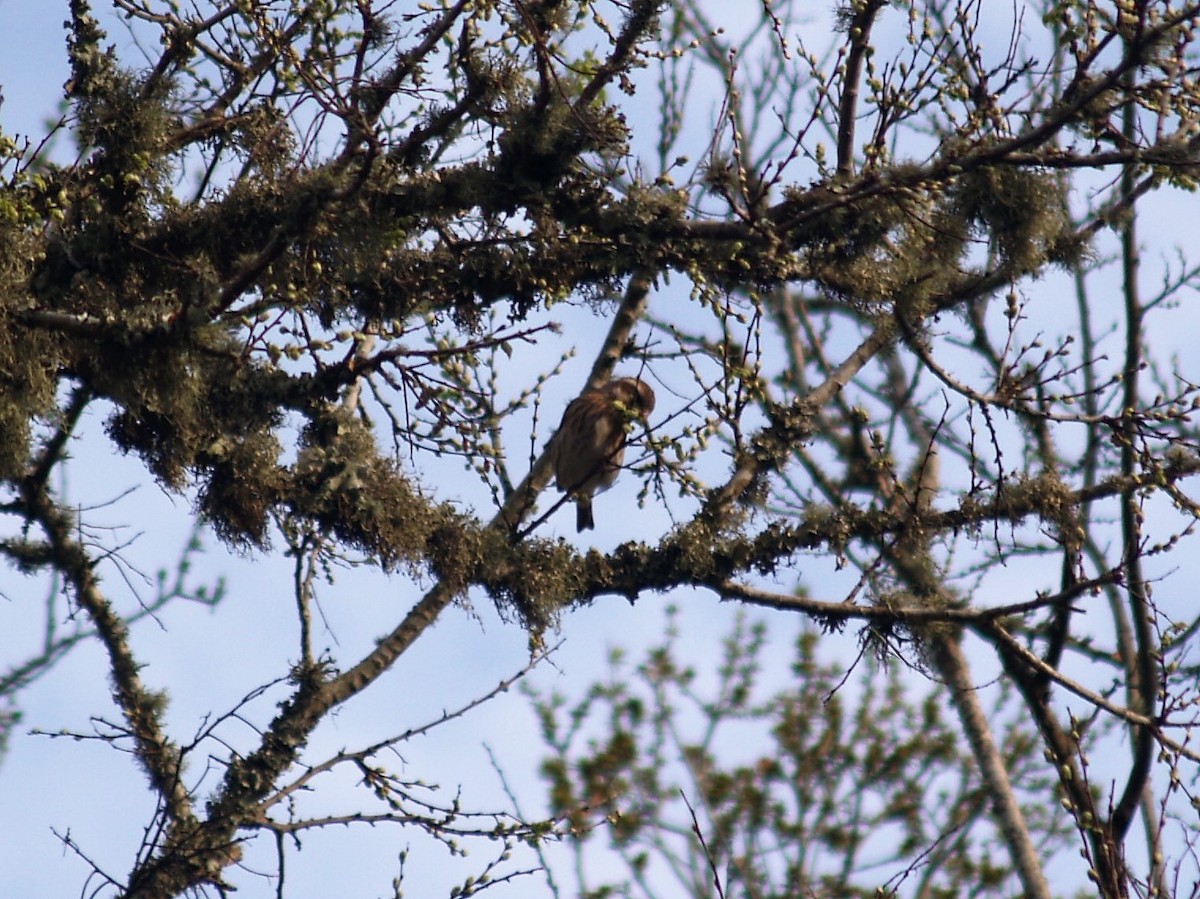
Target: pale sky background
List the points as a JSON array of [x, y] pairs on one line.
[[209, 661]]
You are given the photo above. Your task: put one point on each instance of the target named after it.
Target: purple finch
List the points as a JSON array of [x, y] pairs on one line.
[[589, 446]]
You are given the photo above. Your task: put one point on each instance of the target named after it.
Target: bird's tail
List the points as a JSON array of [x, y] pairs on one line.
[[583, 514]]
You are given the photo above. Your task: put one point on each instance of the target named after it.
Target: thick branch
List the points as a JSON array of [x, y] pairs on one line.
[[142, 709], [860, 43]]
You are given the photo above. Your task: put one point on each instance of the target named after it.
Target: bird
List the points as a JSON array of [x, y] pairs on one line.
[[589, 445]]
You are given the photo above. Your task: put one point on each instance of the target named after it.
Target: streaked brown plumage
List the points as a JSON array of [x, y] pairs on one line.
[[589, 447]]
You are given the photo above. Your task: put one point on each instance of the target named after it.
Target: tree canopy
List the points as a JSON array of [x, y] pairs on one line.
[[906, 283]]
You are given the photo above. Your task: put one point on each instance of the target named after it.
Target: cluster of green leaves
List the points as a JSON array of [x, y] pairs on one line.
[[836, 785]]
